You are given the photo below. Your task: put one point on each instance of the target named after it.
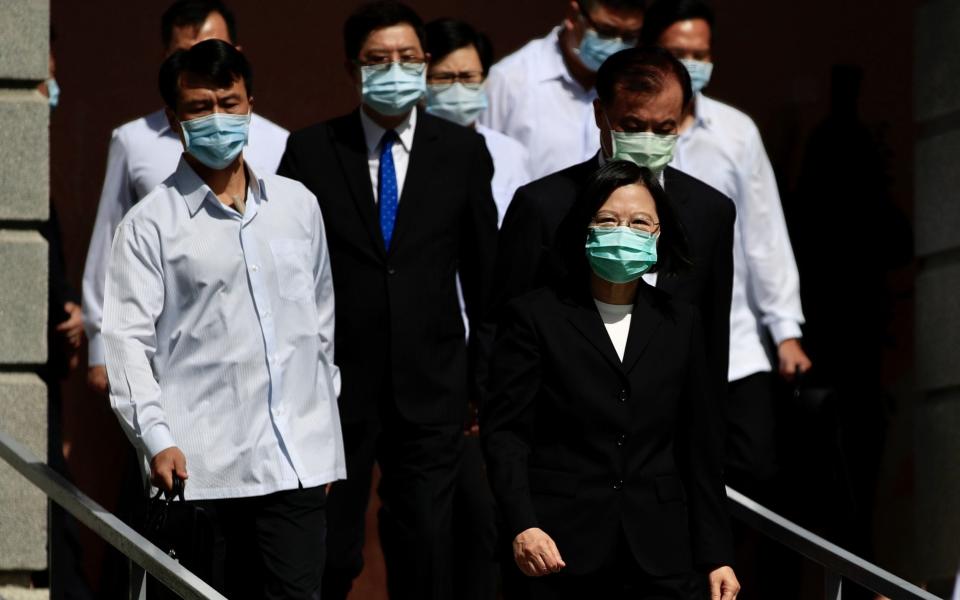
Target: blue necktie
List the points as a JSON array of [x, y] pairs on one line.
[[388, 187]]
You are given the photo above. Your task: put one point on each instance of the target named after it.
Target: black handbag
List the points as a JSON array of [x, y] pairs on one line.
[[184, 531]]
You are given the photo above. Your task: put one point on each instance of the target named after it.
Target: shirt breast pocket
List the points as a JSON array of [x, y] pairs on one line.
[[292, 261]]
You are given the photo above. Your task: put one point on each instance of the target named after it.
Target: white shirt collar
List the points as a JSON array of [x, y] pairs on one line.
[[553, 65], [194, 190], [373, 133]]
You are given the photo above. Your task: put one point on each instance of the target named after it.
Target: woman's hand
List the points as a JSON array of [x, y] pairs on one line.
[[723, 584], [536, 554]]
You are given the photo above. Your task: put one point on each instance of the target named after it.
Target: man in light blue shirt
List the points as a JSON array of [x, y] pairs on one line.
[[721, 146], [542, 95], [145, 151], [218, 330]]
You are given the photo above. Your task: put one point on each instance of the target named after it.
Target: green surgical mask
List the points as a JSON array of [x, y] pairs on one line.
[[650, 150], [620, 254]]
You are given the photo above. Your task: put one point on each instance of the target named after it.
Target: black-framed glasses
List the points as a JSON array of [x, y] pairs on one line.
[[416, 64], [469, 79], [631, 38]]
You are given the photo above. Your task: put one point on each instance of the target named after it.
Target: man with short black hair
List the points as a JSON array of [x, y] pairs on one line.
[[542, 94], [407, 203], [720, 145], [642, 93], [218, 334], [145, 151]]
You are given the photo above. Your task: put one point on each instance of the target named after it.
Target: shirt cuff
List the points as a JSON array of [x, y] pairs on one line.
[[95, 353], [785, 330], [157, 439]]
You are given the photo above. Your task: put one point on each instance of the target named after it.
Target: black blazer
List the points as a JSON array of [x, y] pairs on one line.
[[584, 446], [526, 261], [399, 335]]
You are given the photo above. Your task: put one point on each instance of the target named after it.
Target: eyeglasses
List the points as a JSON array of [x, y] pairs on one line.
[[382, 63], [637, 222], [444, 79], [631, 38]]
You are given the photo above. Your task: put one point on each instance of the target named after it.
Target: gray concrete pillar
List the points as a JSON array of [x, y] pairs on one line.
[[937, 232], [24, 168]]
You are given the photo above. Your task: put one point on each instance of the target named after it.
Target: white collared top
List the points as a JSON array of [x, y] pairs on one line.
[[723, 148], [510, 161], [218, 331], [142, 154], [534, 100], [373, 137]]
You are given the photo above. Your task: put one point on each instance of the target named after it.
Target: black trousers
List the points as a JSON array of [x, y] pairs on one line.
[[619, 577], [418, 465], [474, 528], [751, 435], [269, 547]]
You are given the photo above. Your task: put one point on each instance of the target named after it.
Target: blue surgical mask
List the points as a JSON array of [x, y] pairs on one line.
[[620, 254], [460, 103], [700, 72], [393, 89], [53, 92], [595, 49], [216, 140]]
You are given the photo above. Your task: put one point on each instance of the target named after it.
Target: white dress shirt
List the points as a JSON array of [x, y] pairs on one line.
[[723, 148], [142, 154], [510, 161], [373, 136], [218, 330], [534, 100]]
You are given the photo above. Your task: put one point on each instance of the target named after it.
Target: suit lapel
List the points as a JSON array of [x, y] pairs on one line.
[[677, 195], [643, 324], [582, 313], [421, 171], [352, 152]]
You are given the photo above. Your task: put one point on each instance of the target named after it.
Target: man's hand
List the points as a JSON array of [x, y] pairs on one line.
[[97, 379], [72, 328], [164, 465], [723, 584], [536, 554], [792, 359]]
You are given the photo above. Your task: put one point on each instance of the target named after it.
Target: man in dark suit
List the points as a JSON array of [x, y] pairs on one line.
[[407, 204], [640, 91]]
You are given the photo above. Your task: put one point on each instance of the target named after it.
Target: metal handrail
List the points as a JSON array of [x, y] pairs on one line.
[[838, 563], [104, 523]]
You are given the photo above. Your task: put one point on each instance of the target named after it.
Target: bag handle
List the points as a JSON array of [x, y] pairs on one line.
[[168, 497]]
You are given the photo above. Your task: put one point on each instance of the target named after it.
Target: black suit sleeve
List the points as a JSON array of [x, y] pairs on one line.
[[506, 421], [716, 315], [289, 163], [699, 457], [519, 250]]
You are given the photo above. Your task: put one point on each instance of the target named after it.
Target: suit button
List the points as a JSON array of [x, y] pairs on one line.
[[621, 439], [623, 395], [618, 484], [391, 271]]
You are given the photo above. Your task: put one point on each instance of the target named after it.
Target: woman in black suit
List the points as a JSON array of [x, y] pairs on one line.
[[603, 447]]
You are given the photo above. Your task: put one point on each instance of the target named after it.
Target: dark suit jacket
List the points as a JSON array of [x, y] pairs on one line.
[[399, 335], [526, 261], [585, 446]]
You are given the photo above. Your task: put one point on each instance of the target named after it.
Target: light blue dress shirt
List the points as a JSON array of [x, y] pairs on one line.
[[142, 154], [723, 149], [534, 100], [218, 332]]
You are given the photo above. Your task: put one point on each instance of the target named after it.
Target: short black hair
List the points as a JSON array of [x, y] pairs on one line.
[[569, 248], [640, 5], [215, 60], [643, 70], [447, 35], [377, 15], [192, 13], [664, 13]]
